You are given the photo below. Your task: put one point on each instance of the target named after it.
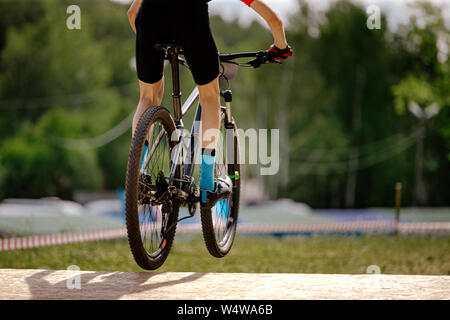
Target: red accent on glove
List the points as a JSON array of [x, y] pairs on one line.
[[279, 54], [248, 2]]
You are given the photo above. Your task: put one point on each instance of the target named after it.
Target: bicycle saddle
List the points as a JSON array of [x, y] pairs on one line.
[[166, 46]]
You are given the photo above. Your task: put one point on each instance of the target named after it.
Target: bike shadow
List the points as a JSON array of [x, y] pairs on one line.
[[100, 285]]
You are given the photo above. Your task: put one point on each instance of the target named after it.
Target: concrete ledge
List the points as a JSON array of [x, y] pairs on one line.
[[48, 284]]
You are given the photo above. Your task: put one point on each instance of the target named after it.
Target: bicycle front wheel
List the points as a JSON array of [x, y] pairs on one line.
[[219, 223], [151, 217]]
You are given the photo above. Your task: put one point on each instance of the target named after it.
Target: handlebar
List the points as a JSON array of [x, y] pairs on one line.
[[260, 58]]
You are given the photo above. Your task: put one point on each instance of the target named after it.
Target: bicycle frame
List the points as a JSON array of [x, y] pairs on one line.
[[172, 54], [180, 110]]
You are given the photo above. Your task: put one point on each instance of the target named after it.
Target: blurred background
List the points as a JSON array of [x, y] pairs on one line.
[[358, 109]]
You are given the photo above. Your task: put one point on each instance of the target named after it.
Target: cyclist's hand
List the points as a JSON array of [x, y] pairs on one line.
[[276, 54]]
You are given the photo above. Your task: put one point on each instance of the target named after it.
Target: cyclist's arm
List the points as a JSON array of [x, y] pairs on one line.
[[273, 20], [133, 11]]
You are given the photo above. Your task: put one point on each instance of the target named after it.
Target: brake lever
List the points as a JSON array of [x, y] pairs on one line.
[[262, 59], [259, 60], [255, 63]]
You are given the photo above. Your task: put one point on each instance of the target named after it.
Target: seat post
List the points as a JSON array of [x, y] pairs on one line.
[[176, 94]]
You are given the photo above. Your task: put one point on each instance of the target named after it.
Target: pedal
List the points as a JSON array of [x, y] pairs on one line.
[[224, 187]]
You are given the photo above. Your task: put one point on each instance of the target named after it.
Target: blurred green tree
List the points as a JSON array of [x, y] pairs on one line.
[[339, 102]]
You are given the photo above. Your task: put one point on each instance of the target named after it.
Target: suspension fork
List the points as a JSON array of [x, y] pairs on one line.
[[230, 127], [228, 97]]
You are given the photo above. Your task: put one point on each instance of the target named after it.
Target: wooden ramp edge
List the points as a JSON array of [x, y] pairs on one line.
[[50, 284]]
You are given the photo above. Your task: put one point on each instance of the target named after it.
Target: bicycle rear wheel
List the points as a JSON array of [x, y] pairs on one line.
[[219, 223], [151, 222]]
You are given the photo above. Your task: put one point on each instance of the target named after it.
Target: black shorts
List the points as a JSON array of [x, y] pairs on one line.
[[185, 22]]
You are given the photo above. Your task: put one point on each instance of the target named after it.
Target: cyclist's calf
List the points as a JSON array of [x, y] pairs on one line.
[[150, 95], [210, 101]]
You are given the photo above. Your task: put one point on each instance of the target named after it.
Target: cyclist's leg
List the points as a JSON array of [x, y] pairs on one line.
[[201, 54], [150, 95], [210, 102], [150, 30]]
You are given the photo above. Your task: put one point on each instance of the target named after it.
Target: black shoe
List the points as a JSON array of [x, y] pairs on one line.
[[224, 187]]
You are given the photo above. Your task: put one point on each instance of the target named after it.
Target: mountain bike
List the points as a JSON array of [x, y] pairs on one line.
[[162, 166]]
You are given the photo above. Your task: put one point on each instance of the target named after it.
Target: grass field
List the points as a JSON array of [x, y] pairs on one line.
[[324, 254]]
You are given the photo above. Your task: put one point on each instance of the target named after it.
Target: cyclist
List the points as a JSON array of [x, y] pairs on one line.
[[186, 22]]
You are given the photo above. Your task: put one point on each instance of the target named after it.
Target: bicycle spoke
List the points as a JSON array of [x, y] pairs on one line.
[[151, 219]]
